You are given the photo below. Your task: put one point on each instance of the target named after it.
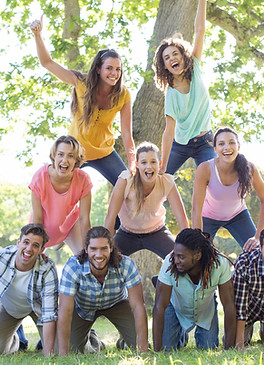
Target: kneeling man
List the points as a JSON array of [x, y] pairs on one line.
[[186, 294], [100, 282], [28, 286]]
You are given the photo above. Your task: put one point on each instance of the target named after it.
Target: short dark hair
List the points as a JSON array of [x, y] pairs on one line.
[[37, 229], [101, 232]]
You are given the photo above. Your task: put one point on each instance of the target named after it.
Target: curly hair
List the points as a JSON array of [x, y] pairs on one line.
[[37, 229], [163, 77], [91, 80], [242, 166], [137, 183], [76, 148], [196, 240], [101, 232]]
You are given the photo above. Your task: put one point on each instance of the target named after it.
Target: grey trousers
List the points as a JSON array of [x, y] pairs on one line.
[[120, 315], [9, 341]]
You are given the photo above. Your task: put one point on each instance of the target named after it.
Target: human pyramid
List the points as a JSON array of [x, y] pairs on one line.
[[100, 279]]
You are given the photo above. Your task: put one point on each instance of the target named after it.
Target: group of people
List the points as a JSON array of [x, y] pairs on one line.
[[101, 278]]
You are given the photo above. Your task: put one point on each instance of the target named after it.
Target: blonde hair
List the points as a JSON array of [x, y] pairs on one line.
[[76, 147], [137, 183]]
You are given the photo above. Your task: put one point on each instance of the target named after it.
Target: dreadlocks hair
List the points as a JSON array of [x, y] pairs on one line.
[[242, 166], [196, 240], [163, 77], [91, 80], [137, 183], [101, 232]]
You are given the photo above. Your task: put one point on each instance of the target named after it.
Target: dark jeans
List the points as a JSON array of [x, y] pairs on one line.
[[160, 242], [199, 148]]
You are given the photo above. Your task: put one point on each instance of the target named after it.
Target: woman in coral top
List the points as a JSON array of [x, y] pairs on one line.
[[138, 200], [97, 97], [61, 195]]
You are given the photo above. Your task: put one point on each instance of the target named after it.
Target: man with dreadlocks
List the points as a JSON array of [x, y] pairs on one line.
[[185, 294]]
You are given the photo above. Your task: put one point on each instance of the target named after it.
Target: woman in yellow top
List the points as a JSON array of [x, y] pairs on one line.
[[97, 97]]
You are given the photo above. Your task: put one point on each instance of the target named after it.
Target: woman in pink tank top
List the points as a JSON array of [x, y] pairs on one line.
[[138, 201], [219, 190]]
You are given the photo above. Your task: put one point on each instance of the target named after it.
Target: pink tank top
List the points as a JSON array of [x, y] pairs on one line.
[[221, 202]]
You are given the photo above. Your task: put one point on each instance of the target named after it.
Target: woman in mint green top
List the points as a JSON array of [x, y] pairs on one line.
[[187, 106]]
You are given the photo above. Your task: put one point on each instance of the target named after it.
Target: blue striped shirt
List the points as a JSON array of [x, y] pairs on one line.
[[77, 280], [42, 291]]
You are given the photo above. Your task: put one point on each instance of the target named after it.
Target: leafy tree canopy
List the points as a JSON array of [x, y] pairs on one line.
[[76, 29]]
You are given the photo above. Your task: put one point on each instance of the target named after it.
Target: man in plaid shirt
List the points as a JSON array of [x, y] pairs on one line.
[[100, 282], [28, 286], [248, 278]]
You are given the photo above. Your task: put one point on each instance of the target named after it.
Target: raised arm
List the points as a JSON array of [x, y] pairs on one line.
[[136, 301], [84, 215], [44, 57], [258, 185], [167, 140], [199, 27], [226, 293], [66, 306], [162, 299], [201, 181], [177, 207], [126, 133], [115, 204]]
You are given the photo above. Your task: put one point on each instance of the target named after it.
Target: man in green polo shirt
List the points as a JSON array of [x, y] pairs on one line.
[[185, 294]]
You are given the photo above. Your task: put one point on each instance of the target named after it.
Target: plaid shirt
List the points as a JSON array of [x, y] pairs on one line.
[[42, 291], [90, 296], [248, 278]]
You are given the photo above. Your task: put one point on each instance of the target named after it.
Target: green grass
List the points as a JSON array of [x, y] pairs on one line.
[[254, 355]]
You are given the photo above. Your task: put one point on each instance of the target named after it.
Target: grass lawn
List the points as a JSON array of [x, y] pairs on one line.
[[107, 332]]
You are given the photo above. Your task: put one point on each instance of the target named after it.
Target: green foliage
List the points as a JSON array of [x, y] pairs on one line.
[[15, 205], [99, 206]]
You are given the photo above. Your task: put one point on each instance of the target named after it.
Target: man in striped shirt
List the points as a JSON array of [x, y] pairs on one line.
[[248, 278], [100, 282]]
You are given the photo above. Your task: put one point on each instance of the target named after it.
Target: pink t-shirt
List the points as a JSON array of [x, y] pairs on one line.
[[222, 202], [60, 211], [152, 216]]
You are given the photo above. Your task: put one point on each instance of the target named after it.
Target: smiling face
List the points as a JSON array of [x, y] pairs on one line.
[[173, 60], [64, 160], [99, 252], [29, 247], [110, 71], [227, 146], [186, 261], [148, 166]]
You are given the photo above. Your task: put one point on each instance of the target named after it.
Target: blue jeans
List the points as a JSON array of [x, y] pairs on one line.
[[160, 242], [173, 336], [110, 167], [241, 227], [199, 148]]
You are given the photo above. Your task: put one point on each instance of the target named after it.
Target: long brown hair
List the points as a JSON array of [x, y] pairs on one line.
[[91, 82], [101, 232], [242, 166], [163, 77], [137, 183]]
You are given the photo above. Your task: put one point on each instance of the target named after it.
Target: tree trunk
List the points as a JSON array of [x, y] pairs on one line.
[[148, 109]]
